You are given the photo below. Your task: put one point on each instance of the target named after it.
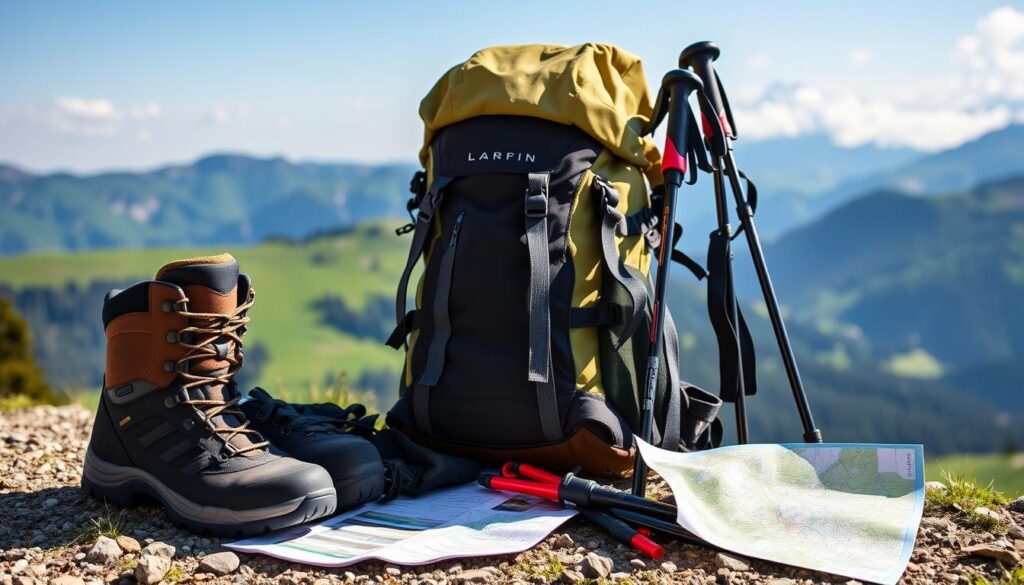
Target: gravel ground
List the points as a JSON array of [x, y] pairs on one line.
[[47, 535]]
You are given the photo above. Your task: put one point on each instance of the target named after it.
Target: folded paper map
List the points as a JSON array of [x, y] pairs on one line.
[[847, 509], [465, 521]]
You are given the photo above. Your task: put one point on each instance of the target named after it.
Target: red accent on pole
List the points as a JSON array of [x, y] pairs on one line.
[[725, 124], [537, 474], [647, 546], [654, 319], [706, 125], [671, 159], [541, 490]]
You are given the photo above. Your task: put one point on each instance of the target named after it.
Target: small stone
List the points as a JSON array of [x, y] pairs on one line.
[[570, 577], [1017, 505], [668, 567], [19, 566], [67, 580], [987, 513], [616, 577], [1002, 555], [151, 569], [936, 486], [393, 571], [128, 544], [159, 549], [1015, 532], [596, 566], [564, 541], [936, 523], [781, 581], [637, 564], [427, 581], [349, 576], [104, 551], [913, 567], [733, 563], [50, 502], [322, 581], [455, 569], [484, 575], [219, 564]]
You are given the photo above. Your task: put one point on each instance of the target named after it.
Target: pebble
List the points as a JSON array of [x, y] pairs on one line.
[[1006, 556], [596, 566], [987, 513], [128, 544], [733, 563], [104, 551], [393, 571], [570, 577], [637, 564], [934, 486], [1017, 505], [668, 567], [159, 549], [151, 569], [50, 502], [564, 541], [220, 564], [484, 575], [67, 580]]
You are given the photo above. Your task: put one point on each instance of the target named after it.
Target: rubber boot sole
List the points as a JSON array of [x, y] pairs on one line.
[[363, 484], [130, 486]]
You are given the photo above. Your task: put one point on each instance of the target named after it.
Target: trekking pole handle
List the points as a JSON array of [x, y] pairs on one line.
[[677, 86], [699, 57]]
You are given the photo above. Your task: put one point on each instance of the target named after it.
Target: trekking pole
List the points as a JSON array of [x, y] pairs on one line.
[[676, 87], [700, 56]]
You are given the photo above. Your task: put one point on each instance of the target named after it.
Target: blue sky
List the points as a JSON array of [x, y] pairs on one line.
[[98, 85]]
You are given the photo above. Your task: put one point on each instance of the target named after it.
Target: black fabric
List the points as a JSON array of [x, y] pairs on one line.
[[428, 205], [402, 330], [735, 345], [221, 277], [483, 395], [596, 316], [751, 199], [442, 327], [134, 299], [420, 470]]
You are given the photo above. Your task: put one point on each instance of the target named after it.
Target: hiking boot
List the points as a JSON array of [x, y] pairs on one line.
[[324, 434], [168, 426]]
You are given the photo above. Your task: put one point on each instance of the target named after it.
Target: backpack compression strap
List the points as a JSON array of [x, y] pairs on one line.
[[540, 371], [606, 202]]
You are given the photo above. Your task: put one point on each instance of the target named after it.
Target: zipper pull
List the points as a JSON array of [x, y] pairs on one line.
[[456, 229]]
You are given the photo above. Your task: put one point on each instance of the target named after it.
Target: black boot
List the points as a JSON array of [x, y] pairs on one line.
[[168, 426], [354, 464]]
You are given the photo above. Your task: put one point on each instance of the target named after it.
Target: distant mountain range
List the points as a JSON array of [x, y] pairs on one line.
[[943, 275], [221, 199]]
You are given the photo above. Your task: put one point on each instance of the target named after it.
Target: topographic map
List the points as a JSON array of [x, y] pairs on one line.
[[847, 509]]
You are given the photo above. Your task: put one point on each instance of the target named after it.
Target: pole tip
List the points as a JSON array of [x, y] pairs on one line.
[[698, 51]]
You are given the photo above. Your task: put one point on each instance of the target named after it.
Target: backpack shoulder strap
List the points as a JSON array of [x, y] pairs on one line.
[[606, 202]]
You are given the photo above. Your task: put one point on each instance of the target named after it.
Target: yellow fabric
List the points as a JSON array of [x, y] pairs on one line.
[[599, 88], [585, 249]]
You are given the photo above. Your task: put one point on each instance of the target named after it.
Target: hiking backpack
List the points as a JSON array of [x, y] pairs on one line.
[[529, 336]]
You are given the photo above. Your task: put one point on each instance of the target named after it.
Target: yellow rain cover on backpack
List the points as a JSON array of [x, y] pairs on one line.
[[599, 88]]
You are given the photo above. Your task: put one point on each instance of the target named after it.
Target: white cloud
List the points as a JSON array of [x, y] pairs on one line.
[[222, 114], [146, 111], [859, 57], [88, 109], [985, 94]]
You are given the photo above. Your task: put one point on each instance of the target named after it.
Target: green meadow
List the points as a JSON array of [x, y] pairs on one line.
[[1005, 471]]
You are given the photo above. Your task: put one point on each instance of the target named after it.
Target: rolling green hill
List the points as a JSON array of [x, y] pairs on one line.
[[221, 199]]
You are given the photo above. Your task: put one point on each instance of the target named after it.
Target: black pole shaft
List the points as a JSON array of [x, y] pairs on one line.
[[673, 180], [732, 309], [746, 217]]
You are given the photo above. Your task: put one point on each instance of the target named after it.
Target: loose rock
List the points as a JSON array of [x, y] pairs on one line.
[[219, 564], [668, 567], [726, 561], [564, 541], [991, 551], [104, 551], [67, 580], [570, 577], [1017, 505], [151, 569], [484, 575], [159, 549], [934, 486], [596, 566], [128, 544]]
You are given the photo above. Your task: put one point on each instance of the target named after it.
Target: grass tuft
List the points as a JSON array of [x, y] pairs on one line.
[[1014, 576], [962, 496], [174, 574], [109, 525]]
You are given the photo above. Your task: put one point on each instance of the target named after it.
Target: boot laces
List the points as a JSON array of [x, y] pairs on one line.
[[208, 328]]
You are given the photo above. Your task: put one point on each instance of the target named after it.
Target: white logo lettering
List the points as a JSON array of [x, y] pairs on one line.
[[508, 156]]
